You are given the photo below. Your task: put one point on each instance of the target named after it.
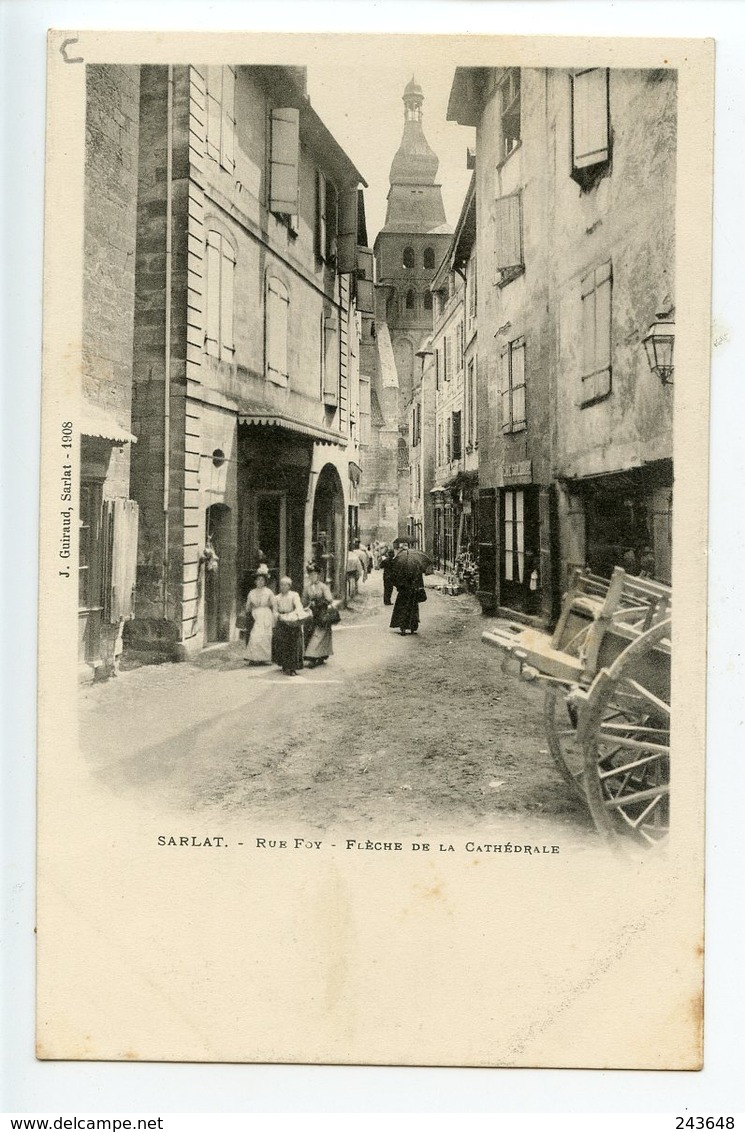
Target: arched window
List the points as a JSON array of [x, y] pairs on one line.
[[277, 323], [409, 258], [429, 258], [428, 300], [410, 300], [218, 334]]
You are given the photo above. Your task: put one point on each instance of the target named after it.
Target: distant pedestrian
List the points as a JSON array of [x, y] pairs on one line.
[[320, 600], [354, 573], [386, 561], [260, 619], [364, 558], [287, 639]]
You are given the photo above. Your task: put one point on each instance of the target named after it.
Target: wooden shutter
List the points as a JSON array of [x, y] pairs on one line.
[[226, 297], [331, 360], [589, 117], [517, 381], [120, 520], [508, 232], [347, 249], [285, 154], [212, 320], [596, 292], [320, 231], [214, 112], [365, 284], [487, 510], [457, 448], [277, 317], [504, 389], [332, 220], [227, 135]]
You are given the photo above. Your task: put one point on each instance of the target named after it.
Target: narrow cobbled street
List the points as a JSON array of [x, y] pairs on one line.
[[408, 732]]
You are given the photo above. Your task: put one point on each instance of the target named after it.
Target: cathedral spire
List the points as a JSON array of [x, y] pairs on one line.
[[415, 198]]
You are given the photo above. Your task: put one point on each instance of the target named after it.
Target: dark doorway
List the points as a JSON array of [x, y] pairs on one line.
[[219, 583], [328, 527], [520, 548]]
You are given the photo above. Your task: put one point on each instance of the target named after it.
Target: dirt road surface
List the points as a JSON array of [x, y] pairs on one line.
[[411, 733]]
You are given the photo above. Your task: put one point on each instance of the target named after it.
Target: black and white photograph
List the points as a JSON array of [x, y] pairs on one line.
[[370, 499]]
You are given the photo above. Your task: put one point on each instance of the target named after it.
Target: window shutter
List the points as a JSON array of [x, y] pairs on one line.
[[437, 369], [277, 317], [588, 324], [508, 232], [214, 114], [332, 220], [227, 147], [504, 388], [347, 251], [589, 117], [320, 233], [212, 321], [517, 370], [226, 297], [365, 290], [331, 360], [285, 151]]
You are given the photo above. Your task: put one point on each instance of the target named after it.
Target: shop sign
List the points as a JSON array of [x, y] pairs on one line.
[[518, 473]]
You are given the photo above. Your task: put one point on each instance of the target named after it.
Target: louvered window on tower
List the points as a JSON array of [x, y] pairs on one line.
[[285, 161], [509, 240], [590, 125]]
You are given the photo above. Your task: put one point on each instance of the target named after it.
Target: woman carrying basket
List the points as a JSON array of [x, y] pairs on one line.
[[319, 599]]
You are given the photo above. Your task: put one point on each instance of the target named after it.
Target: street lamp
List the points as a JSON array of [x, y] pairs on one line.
[[659, 343]]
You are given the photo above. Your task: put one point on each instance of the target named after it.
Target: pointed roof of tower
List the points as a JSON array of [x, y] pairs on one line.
[[415, 198]]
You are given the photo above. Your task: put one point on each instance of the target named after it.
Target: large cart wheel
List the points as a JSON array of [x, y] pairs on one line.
[[624, 730], [560, 719]]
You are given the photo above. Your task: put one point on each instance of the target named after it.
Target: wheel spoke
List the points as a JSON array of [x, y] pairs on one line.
[[651, 759]]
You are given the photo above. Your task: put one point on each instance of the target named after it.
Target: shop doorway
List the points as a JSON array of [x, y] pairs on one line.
[[270, 535], [219, 584], [328, 528], [520, 546]]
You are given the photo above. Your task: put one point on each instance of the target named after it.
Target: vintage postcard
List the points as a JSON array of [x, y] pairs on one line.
[[374, 445]]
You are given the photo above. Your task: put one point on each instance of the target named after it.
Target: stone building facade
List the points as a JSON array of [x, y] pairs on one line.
[[575, 187], [454, 345], [246, 396], [107, 519]]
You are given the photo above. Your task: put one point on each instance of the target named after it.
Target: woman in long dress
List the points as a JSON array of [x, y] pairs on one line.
[[287, 639], [261, 618], [318, 598], [405, 615]]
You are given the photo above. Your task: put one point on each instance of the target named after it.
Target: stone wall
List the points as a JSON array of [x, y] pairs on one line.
[[111, 151]]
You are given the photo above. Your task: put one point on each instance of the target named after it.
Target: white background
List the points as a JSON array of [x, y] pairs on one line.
[[31, 1086]]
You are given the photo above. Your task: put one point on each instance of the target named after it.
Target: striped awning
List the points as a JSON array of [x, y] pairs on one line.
[[96, 422], [292, 424]]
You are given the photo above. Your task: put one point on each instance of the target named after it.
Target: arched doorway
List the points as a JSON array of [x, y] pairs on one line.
[[219, 584], [328, 528]]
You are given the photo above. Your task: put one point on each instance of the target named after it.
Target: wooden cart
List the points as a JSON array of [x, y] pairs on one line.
[[606, 671]]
